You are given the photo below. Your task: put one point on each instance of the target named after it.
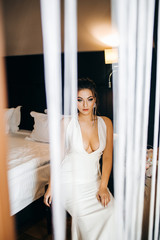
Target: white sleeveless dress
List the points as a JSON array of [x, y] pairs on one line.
[[80, 183]]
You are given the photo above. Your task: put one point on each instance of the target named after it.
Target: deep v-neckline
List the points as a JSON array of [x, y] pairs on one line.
[[82, 137]]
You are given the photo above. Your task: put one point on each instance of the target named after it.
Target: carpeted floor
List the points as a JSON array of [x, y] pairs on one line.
[[39, 231]]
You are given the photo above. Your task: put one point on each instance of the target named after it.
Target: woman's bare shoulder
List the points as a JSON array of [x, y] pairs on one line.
[[107, 121]]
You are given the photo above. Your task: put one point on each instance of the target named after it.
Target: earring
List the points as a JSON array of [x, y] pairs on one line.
[[94, 109]]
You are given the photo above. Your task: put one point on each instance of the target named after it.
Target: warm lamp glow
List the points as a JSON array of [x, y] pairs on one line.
[[111, 40], [111, 55]]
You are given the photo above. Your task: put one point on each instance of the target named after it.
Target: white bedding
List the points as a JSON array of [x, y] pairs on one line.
[[28, 170]]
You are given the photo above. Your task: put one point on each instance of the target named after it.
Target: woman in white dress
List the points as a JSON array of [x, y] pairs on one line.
[[86, 195]]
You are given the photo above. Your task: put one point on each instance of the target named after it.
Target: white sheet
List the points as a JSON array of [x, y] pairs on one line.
[[28, 170]]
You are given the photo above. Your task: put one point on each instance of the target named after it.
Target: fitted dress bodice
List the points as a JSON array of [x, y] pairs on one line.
[[79, 165]]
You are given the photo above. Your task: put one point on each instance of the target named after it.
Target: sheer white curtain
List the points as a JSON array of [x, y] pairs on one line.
[[50, 14], [51, 29], [134, 21]]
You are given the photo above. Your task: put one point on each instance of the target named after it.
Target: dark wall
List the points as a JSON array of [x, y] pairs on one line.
[[25, 81], [26, 87], [153, 80], [152, 102]]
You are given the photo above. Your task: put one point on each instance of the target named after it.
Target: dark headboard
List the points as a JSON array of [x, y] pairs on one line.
[[26, 87]]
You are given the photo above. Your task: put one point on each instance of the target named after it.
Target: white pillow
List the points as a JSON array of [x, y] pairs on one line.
[[13, 118], [40, 131], [8, 115]]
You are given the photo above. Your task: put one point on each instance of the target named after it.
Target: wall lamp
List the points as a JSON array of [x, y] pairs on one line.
[[111, 57]]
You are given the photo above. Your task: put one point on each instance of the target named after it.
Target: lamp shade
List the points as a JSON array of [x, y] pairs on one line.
[[111, 55]]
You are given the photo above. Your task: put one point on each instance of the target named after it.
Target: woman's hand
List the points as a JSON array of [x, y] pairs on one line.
[[47, 197], [103, 196]]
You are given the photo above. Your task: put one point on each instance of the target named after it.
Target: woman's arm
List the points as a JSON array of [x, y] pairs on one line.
[[47, 196], [103, 195]]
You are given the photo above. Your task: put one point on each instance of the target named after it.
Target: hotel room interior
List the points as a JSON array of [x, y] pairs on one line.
[[26, 91]]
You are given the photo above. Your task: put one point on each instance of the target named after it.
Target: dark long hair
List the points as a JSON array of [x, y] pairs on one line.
[[87, 83]]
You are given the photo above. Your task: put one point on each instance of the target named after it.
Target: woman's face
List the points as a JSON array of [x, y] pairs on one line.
[[85, 101]]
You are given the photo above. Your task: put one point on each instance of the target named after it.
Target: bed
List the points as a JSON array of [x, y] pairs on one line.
[[28, 159], [28, 170]]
